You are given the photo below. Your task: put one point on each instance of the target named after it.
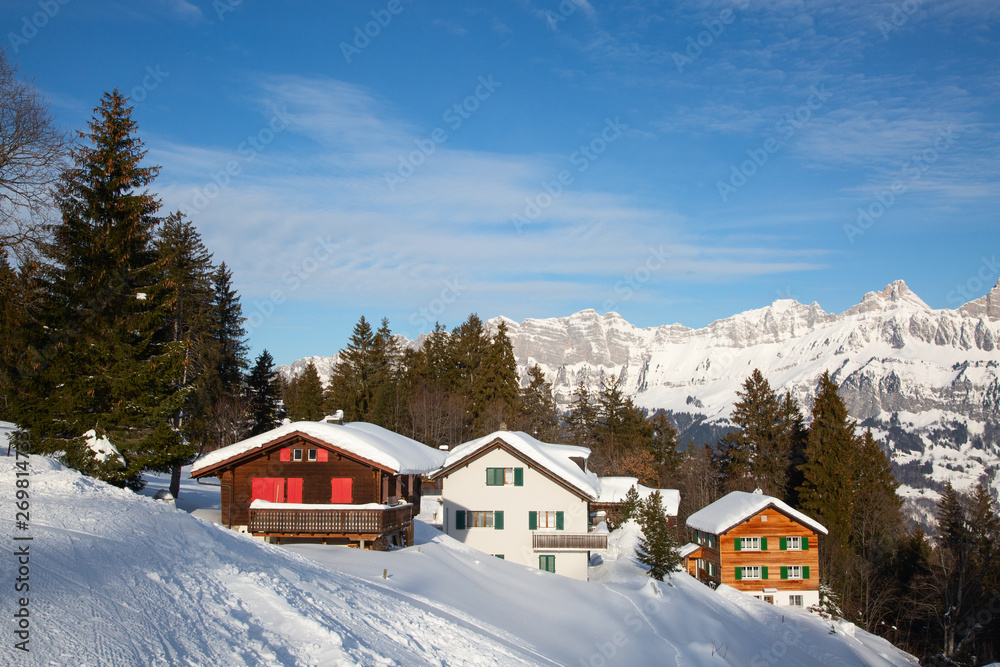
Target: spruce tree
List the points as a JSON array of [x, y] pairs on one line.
[[264, 391], [496, 391], [581, 423], [186, 278], [827, 492], [658, 548], [106, 362], [757, 455], [539, 415], [307, 390], [229, 334], [353, 384]]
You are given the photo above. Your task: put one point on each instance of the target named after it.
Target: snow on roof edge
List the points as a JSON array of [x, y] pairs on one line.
[[726, 512]]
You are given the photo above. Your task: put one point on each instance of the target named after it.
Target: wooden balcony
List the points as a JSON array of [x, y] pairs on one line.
[[355, 524], [569, 542]]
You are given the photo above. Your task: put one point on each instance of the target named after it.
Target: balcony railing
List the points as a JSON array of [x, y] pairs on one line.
[[569, 542], [330, 521]]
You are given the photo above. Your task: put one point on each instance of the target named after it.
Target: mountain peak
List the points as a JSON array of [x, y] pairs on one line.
[[985, 306], [895, 295]]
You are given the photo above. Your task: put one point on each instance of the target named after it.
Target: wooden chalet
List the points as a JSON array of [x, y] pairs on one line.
[[759, 545], [356, 484]]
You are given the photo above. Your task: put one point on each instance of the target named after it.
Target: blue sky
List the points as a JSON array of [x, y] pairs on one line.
[[673, 162]]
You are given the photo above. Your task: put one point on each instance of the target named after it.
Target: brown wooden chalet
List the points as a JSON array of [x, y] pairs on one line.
[[355, 484], [759, 545]]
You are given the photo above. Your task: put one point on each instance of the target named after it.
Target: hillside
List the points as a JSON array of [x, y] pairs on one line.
[[120, 579], [926, 381]]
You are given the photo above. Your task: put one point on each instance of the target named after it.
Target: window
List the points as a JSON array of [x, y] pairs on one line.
[[505, 477], [751, 572], [763, 518], [547, 563], [713, 570], [482, 519], [750, 543], [791, 543], [794, 600], [794, 572], [546, 520], [311, 455], [700, 564], [296, 454]]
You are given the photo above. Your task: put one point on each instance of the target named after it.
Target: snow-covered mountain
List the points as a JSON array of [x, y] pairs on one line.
[[925, 380], [120, 579]]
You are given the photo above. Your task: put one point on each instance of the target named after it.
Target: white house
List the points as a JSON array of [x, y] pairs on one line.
[[613, 492], [514, 497]]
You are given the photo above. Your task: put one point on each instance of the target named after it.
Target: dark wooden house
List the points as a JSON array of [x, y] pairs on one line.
[[355, 483]]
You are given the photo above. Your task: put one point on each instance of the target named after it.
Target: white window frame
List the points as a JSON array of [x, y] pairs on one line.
[[508, 477], [546, 520], [794, 572], [297, 454], [751, 572], [750, 544], [311, 455], [794, 600], [700, 564], [788, 544]]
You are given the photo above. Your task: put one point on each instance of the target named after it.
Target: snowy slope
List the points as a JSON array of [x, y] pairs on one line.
[[120, 579]]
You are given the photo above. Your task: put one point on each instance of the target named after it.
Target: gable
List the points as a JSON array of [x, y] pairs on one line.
[[293, 440], [474, 461]]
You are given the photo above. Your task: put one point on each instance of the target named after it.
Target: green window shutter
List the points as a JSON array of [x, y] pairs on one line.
[[460, 519], [739, 573], [784, 572], [500, 556], [518, 476], [805, 571], [498, 520], [763, 544], [532, 520], [763, 572], [783, 543], [805, 544], [737, 544], [489, 476], [560, 520]]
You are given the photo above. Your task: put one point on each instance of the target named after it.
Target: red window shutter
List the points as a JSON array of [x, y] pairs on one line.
[[322, 455], [294, 490], [270, 489], [341, 492], [285, 454]]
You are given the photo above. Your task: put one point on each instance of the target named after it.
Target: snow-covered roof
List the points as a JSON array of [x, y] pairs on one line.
[[613, 490], [688, 549], [730, 510], [367, 441], [555, 458]]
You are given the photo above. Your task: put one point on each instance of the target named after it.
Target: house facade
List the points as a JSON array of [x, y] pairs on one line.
[[356, 483], [514, 497], [759, 545]]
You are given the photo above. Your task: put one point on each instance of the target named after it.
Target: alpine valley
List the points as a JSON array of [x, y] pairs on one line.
[[924, 380]]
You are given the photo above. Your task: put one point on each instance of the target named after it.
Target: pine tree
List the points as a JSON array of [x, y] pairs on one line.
[[496, 391], [186, 278], [353, 384], [631, 504], [539, 415], [581, 423], [389, 386], [307, 390], [795, 435], [757, 455], [658, 549], [264, 391], [229, 333], [828, 489], [105, 363], [468, 345]]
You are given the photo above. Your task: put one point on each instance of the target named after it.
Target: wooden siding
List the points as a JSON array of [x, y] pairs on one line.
[[777, 526], [369, 485]]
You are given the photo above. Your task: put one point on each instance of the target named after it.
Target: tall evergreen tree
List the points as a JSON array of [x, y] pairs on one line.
[[304, 400], [353, 384], [757, 455], [264, 392], [186, 278], [496, 391], [581, 423], [539, 415], [229, 333], [106, 363], [827, 491]]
